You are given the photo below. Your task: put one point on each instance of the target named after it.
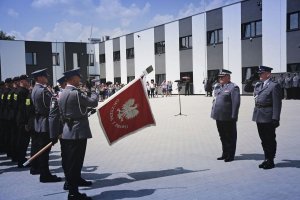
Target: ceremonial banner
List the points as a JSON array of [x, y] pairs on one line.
[[125, 112]]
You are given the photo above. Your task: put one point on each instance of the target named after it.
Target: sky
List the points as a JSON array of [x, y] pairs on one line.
[[78, 20]]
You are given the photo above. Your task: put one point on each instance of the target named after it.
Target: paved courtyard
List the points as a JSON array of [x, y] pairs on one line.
[[176, 159]]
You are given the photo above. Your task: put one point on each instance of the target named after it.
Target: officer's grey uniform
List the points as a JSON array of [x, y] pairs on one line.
[[280, 81], [267, 109], [41, 97], [73, 106], [225, 111], [288, 86], [295, 86]]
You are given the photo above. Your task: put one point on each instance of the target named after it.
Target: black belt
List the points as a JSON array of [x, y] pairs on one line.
[[263, 105]]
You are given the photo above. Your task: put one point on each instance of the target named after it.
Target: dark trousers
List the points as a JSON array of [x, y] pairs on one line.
[[152, 92], [22, 143], [228, 135], [2, 142], [288, 93], [13, 132], [33, 150], [73, 152], [43, 160], [267, 135]]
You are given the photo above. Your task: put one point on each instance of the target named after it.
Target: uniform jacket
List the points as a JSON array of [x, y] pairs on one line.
[[73, 106], [287, 82], [267, 102], [25, 109], [41, 98], [226, 102], [295, 81]]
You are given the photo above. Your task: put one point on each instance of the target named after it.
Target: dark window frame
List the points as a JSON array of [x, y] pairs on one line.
[[159, 47], [91, 60], [186, 42], [55, 59], [33, 58], [102, 58], [253, 29], [288, 24], [116, 56], [290, 69], [130, 53], [215, 37]]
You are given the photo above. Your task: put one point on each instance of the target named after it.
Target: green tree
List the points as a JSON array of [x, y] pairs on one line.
[[4, 36]]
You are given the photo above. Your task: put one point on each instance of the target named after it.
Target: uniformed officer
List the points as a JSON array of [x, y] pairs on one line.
[[288, 86], [24, 116], [2, 87], [225, 111], [41, 97], [295, 86], [73, 105], [266, 114], [280, 81]]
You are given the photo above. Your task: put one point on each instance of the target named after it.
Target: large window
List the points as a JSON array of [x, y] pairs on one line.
[[159, 47], [102, 58], [91, 60], [31, 59], [117, 56], [55, 59], [130, 78], [185, 42], [294, 67], [293, 21], [252, 29], [249, 73], [130, 53], [160, 78], [214, 37]]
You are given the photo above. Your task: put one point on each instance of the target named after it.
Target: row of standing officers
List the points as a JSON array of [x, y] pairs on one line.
[[266, 113], [47, 117]]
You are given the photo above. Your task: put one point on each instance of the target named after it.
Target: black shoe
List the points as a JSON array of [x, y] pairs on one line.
[[262, 164], [66, 186], [34, 171], [229, 159], [269, 164], [78, 196], [84, 183], [221, 158], [49, 179]]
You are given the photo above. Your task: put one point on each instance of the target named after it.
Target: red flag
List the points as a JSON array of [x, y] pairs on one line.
[[125, 112]]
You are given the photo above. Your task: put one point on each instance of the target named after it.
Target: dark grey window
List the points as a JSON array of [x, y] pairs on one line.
[[214, 37], [160, 78], [130, 53], [31, 58], [159, 47], [102, 58], [185, 42], [130, 78], [294, 67], [293, 21], [55, 59], [117, 56], [91, 60], [251, 29]]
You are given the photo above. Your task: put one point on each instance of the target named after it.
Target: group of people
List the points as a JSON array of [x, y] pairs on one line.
[[152, 88], [290, 85], [267, 108], [37, 113]]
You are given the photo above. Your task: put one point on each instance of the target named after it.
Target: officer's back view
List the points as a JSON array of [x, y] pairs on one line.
[[41, 98], [73, 105]]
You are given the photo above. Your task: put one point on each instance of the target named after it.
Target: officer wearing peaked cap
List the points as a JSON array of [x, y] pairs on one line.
[[225, 111], [73, 105], [41, 97], [2, 143], [266, 114]]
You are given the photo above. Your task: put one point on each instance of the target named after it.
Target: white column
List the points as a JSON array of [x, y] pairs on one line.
[[109, 63], [97, 59], [232, 48], [172, 53], [58, 70], [199, 52], [144, 52], [274, 34], [123, 61]]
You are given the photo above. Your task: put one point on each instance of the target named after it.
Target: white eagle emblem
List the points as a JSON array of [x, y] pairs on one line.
[[129, 110]]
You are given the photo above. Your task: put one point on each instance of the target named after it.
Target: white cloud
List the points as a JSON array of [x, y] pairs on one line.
[[113, 9], [47, 3], [12, 13], [36, 33], [160, 19]]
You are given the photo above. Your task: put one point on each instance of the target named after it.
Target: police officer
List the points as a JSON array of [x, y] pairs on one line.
[[280, 81], [225, 111], [41, 97], [288, 86], [295, 83], [2, 87], [73, 105], [266, 114], [24, 115]]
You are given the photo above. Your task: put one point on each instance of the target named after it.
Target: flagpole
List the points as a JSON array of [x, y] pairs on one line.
[[37, 154]]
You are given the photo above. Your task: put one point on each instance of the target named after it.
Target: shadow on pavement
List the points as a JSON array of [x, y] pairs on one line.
[[251, 156], [139, 176], [122, 194], [289, 163]]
